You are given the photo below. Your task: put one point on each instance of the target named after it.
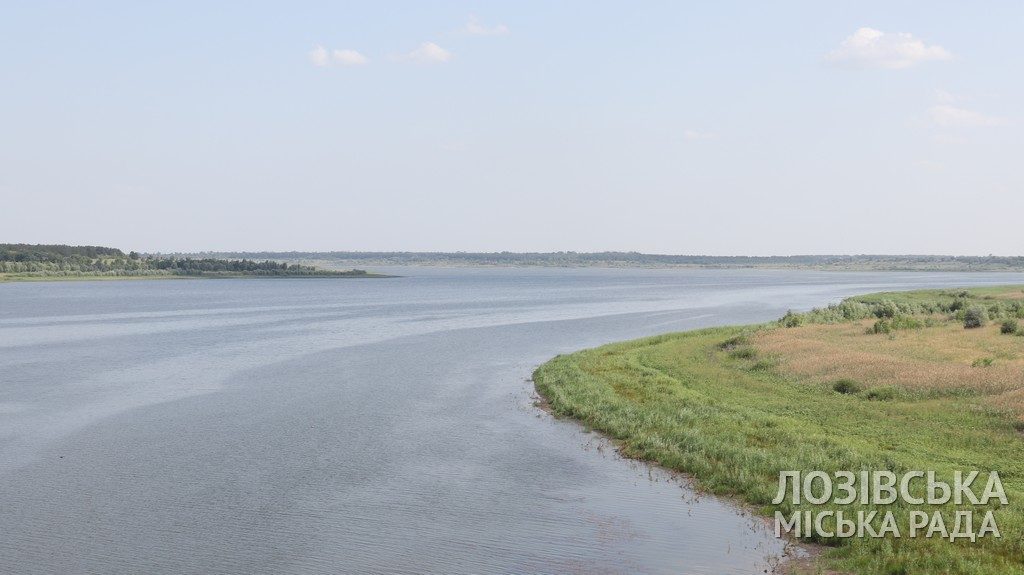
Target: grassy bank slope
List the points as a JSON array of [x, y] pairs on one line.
[[887, 381]]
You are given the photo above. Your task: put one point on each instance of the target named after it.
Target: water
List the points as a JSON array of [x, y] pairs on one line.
[[356, 426]]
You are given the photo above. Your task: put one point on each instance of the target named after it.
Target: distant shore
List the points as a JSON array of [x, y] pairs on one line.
[[899, 263]]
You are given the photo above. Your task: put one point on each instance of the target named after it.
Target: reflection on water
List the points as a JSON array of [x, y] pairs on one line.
[[356, 426]]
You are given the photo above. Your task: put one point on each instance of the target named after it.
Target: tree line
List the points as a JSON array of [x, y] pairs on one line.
[[63, 260]]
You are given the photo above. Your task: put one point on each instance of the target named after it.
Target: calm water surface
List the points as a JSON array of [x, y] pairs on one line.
[[356, 426]]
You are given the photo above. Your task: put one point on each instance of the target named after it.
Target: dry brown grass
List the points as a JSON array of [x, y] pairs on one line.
[[932, 360], [1009, 295]]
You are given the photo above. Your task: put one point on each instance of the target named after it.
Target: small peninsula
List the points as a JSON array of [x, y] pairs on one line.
[[41, 262]]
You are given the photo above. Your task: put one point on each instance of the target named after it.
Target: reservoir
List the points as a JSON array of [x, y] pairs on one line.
[[315, 426]]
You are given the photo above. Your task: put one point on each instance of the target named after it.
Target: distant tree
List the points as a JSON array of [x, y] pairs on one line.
[[975, 317]]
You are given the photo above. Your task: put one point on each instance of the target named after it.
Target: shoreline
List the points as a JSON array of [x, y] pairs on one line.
[[797, 556], [839, 268], [637, 260]]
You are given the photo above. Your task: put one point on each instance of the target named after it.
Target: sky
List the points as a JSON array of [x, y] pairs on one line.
[[721, 128]]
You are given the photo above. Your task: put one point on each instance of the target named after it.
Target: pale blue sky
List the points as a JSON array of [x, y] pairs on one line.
[[669, 127]]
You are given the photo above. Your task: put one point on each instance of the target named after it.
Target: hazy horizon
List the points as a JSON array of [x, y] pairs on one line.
[[793, 255], [799, 128], [500, 251]]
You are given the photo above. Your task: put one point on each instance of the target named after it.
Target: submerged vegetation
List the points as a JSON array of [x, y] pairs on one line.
[[39, 262], [891, 381]]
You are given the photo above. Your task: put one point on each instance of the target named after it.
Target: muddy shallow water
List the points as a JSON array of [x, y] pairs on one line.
[[356, 426]]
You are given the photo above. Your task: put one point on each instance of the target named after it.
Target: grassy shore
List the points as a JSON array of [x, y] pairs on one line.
[[882, 382]]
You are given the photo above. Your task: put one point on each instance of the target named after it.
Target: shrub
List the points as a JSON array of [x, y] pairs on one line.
[[896, 323], [881, 326], [851, 310], [887, 309], [975, 317], [982, 362], [846, 386], [884, 393], [792, 319], [1009, 327], [956, 305], [745, 352]]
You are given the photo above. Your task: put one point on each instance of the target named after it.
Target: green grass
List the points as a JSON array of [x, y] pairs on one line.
[[945, 295], [707, 404]]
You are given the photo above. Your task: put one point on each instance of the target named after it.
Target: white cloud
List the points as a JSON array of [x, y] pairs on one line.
[[476, 28], [319, 56], [870, 48], [949, 116], [348, 58], [429, 53], [694, 135]]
